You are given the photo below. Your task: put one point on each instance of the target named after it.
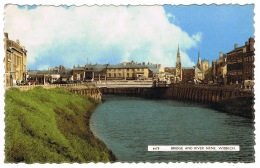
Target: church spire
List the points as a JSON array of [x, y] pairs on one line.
[[178, 70], [199, 60], [178, 56]]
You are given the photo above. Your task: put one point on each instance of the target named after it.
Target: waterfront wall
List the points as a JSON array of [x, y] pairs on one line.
[[206, 94], [231, 98], [151, 92], [197, 93], [91, 92]]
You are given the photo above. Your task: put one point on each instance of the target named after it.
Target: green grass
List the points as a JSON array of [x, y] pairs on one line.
[[51, 126]]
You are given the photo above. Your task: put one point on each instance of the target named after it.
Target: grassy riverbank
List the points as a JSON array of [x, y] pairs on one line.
[[51, 126]]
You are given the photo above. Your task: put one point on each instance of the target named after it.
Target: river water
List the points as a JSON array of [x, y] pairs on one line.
[[127, 125]]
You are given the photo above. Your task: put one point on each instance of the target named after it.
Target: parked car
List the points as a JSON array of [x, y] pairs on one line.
[[18, 82], [24, 83], [88, 79], [64, 82], [78, 81]]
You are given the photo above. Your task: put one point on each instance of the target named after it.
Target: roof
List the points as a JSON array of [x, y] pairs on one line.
[[100, 67], [92, 67], [66, 75], [236, 49], [50, 72], [78, 68], [134, 66], [187, 68], [198, 69], [168, 73], [154, 70]]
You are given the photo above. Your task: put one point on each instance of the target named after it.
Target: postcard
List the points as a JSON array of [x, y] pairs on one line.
[[130, 83]]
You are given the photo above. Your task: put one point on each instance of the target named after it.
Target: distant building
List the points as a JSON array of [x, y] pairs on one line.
[[134, 71], [240, 63], [201, 68], [188, 74], [180, 74], [219, 69], [49, 76], [78, 73], [14, 61], [95, 72], [90, 72], [124, 71]]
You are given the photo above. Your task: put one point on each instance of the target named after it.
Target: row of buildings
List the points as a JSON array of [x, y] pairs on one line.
[[234, 67], [16, 71], [98, 72]]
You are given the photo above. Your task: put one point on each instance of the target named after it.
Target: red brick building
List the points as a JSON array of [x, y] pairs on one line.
[[240, 63]]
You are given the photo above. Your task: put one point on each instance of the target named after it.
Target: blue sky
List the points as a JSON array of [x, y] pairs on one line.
[[73, 35], [221, 26]]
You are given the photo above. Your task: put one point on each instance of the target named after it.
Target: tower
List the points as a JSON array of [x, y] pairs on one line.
[[178, 66], [199, 60]]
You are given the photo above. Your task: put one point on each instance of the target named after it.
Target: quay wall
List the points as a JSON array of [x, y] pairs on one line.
[[91, 92], [223, 98]]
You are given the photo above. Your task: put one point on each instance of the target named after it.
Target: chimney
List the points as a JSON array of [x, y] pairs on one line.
[[6, 35], [143, 63], [220, 54], [246, 43], [251, 44], [235, 46]]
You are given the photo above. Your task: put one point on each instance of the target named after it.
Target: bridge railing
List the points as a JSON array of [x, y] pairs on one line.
[[123, 82]]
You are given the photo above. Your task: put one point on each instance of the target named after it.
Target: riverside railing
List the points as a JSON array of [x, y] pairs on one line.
[[52, 86]]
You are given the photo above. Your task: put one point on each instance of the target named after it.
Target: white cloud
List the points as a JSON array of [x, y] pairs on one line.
[[170, 17], [68, 36], [197, 37]]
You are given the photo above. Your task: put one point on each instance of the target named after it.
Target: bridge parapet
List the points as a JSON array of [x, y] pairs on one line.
[[124, 83]]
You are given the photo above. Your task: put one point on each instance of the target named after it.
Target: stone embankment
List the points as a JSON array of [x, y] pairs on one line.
[[225, 97]]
